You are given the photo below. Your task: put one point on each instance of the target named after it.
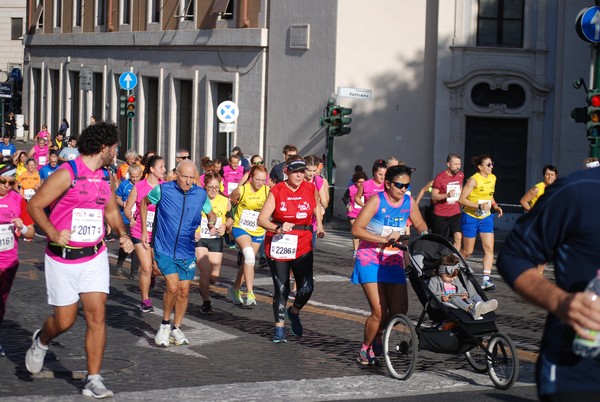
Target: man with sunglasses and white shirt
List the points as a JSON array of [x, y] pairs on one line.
[[181, 155]]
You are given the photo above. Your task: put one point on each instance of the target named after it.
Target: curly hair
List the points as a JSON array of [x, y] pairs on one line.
[[94, 137], [152, 161]]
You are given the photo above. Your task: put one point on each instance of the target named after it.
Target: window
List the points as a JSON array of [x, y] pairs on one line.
[[187, 10], [57, 13], [154, 11], [500, 23], [125, 12], [77, 13], [16, 28], [224, 8], [100, 12]]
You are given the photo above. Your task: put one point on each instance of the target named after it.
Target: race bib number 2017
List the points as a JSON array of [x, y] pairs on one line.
[[86, 225]]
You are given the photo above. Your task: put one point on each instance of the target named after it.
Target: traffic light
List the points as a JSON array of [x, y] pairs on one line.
[[122, 104], [339, 120], [130, 106], [593, 114], [579, 114]]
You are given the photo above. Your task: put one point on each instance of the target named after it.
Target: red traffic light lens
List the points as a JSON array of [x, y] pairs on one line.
[[595, 101], [131, 99], [335, 112]]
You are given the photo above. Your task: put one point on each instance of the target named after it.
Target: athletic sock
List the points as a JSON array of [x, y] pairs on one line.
[[486, 278], [364, 347], [166, 322]]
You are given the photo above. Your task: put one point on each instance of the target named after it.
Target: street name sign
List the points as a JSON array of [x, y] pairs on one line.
[[357, 93]]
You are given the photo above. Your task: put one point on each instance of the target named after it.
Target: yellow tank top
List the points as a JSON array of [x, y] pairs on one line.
[[541, 186], [249, 205], [483, 191], [219, 207]]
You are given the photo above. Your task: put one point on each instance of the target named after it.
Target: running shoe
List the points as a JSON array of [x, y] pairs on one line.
[[373, 361], [119, 268], [146, 306], [235, 295], [363, 358], [488, 285], [95, 387], [279, 335], [34, 359], [295, 322], [475, 310], [206, 308], [163, 335], [177, 337], [250, 299]]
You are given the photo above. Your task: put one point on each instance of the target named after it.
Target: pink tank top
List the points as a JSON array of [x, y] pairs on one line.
[[354, 208], [40, 155], [81, 209], [371, 188], [143, 188], [231, 178], [10, 208]]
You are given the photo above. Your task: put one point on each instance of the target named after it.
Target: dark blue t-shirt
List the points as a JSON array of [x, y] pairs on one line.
[[564, 228]]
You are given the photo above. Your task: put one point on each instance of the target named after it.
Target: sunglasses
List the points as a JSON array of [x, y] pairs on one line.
[[491, 164], [213, 188], [400, 186], [6, 181], [258, 163], [183, 157]]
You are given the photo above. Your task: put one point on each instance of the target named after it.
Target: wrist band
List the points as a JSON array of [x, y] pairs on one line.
[[494, 205], [24, 230]]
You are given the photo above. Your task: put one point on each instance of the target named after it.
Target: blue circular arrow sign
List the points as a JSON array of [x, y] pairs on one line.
[[588, 24]]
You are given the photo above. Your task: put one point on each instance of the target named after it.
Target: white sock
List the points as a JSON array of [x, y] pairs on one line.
[[486, 278]]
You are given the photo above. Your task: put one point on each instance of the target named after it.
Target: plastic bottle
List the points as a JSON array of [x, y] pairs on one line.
[[585, 347]]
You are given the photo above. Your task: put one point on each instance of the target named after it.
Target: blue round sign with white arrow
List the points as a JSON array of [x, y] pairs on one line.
[[128, 80], [588, 24]]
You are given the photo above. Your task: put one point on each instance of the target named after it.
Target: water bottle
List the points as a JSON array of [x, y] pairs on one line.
[[585, 347]]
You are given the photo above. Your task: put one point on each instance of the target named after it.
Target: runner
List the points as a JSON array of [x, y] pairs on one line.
[[154, 173], [14, 222], [379, 268], [179, 207], [122, 194], [477, 199], [232, 174], [372, 186], [353, 208], [248, 200], [287, 215], [209, 248], [76, 263], [29, 181]]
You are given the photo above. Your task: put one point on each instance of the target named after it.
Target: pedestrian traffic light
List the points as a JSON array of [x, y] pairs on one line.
[[122, 105], [339, 120], [593, 114], [131, 106]]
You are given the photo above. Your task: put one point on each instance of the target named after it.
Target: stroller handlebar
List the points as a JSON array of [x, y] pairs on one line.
[[400, 242]]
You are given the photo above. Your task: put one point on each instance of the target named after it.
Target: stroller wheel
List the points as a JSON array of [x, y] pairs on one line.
[[477, 356], [400, 347], [502, 361]]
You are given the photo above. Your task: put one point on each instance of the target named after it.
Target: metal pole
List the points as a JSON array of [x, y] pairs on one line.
[[2, 115], [595, 143], [329, 210], [129, 125]]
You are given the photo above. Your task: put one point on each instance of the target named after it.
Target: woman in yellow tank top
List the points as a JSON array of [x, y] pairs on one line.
[[477, 199], [534, 193], [209, 242], [248, 201]]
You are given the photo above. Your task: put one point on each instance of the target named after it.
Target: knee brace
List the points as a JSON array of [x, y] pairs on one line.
[[249, 257]]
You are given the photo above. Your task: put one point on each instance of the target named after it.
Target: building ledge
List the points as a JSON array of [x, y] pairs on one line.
[[246, 37]]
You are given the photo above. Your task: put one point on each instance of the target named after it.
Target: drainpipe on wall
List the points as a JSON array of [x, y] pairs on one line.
[[109, 20], [245, 21]]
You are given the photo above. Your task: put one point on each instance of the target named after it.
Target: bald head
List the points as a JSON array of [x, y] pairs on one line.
[[187, 166], [186, 174]]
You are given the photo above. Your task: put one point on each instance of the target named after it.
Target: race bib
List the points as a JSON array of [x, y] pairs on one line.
[[86, 225], [6, 152], [149, 221], [231, 187], [248, 220], [386, 230], [479, 211], [456, 188], [7, 237], [356, 206], [28, 193], [42, 160], [205, 231], [284, 246]]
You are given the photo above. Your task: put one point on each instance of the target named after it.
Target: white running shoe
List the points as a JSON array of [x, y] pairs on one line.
[[235, 295], [34, 359], [95, 387], [250, 300], [177, 337], [489, 306], [162, 336]]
